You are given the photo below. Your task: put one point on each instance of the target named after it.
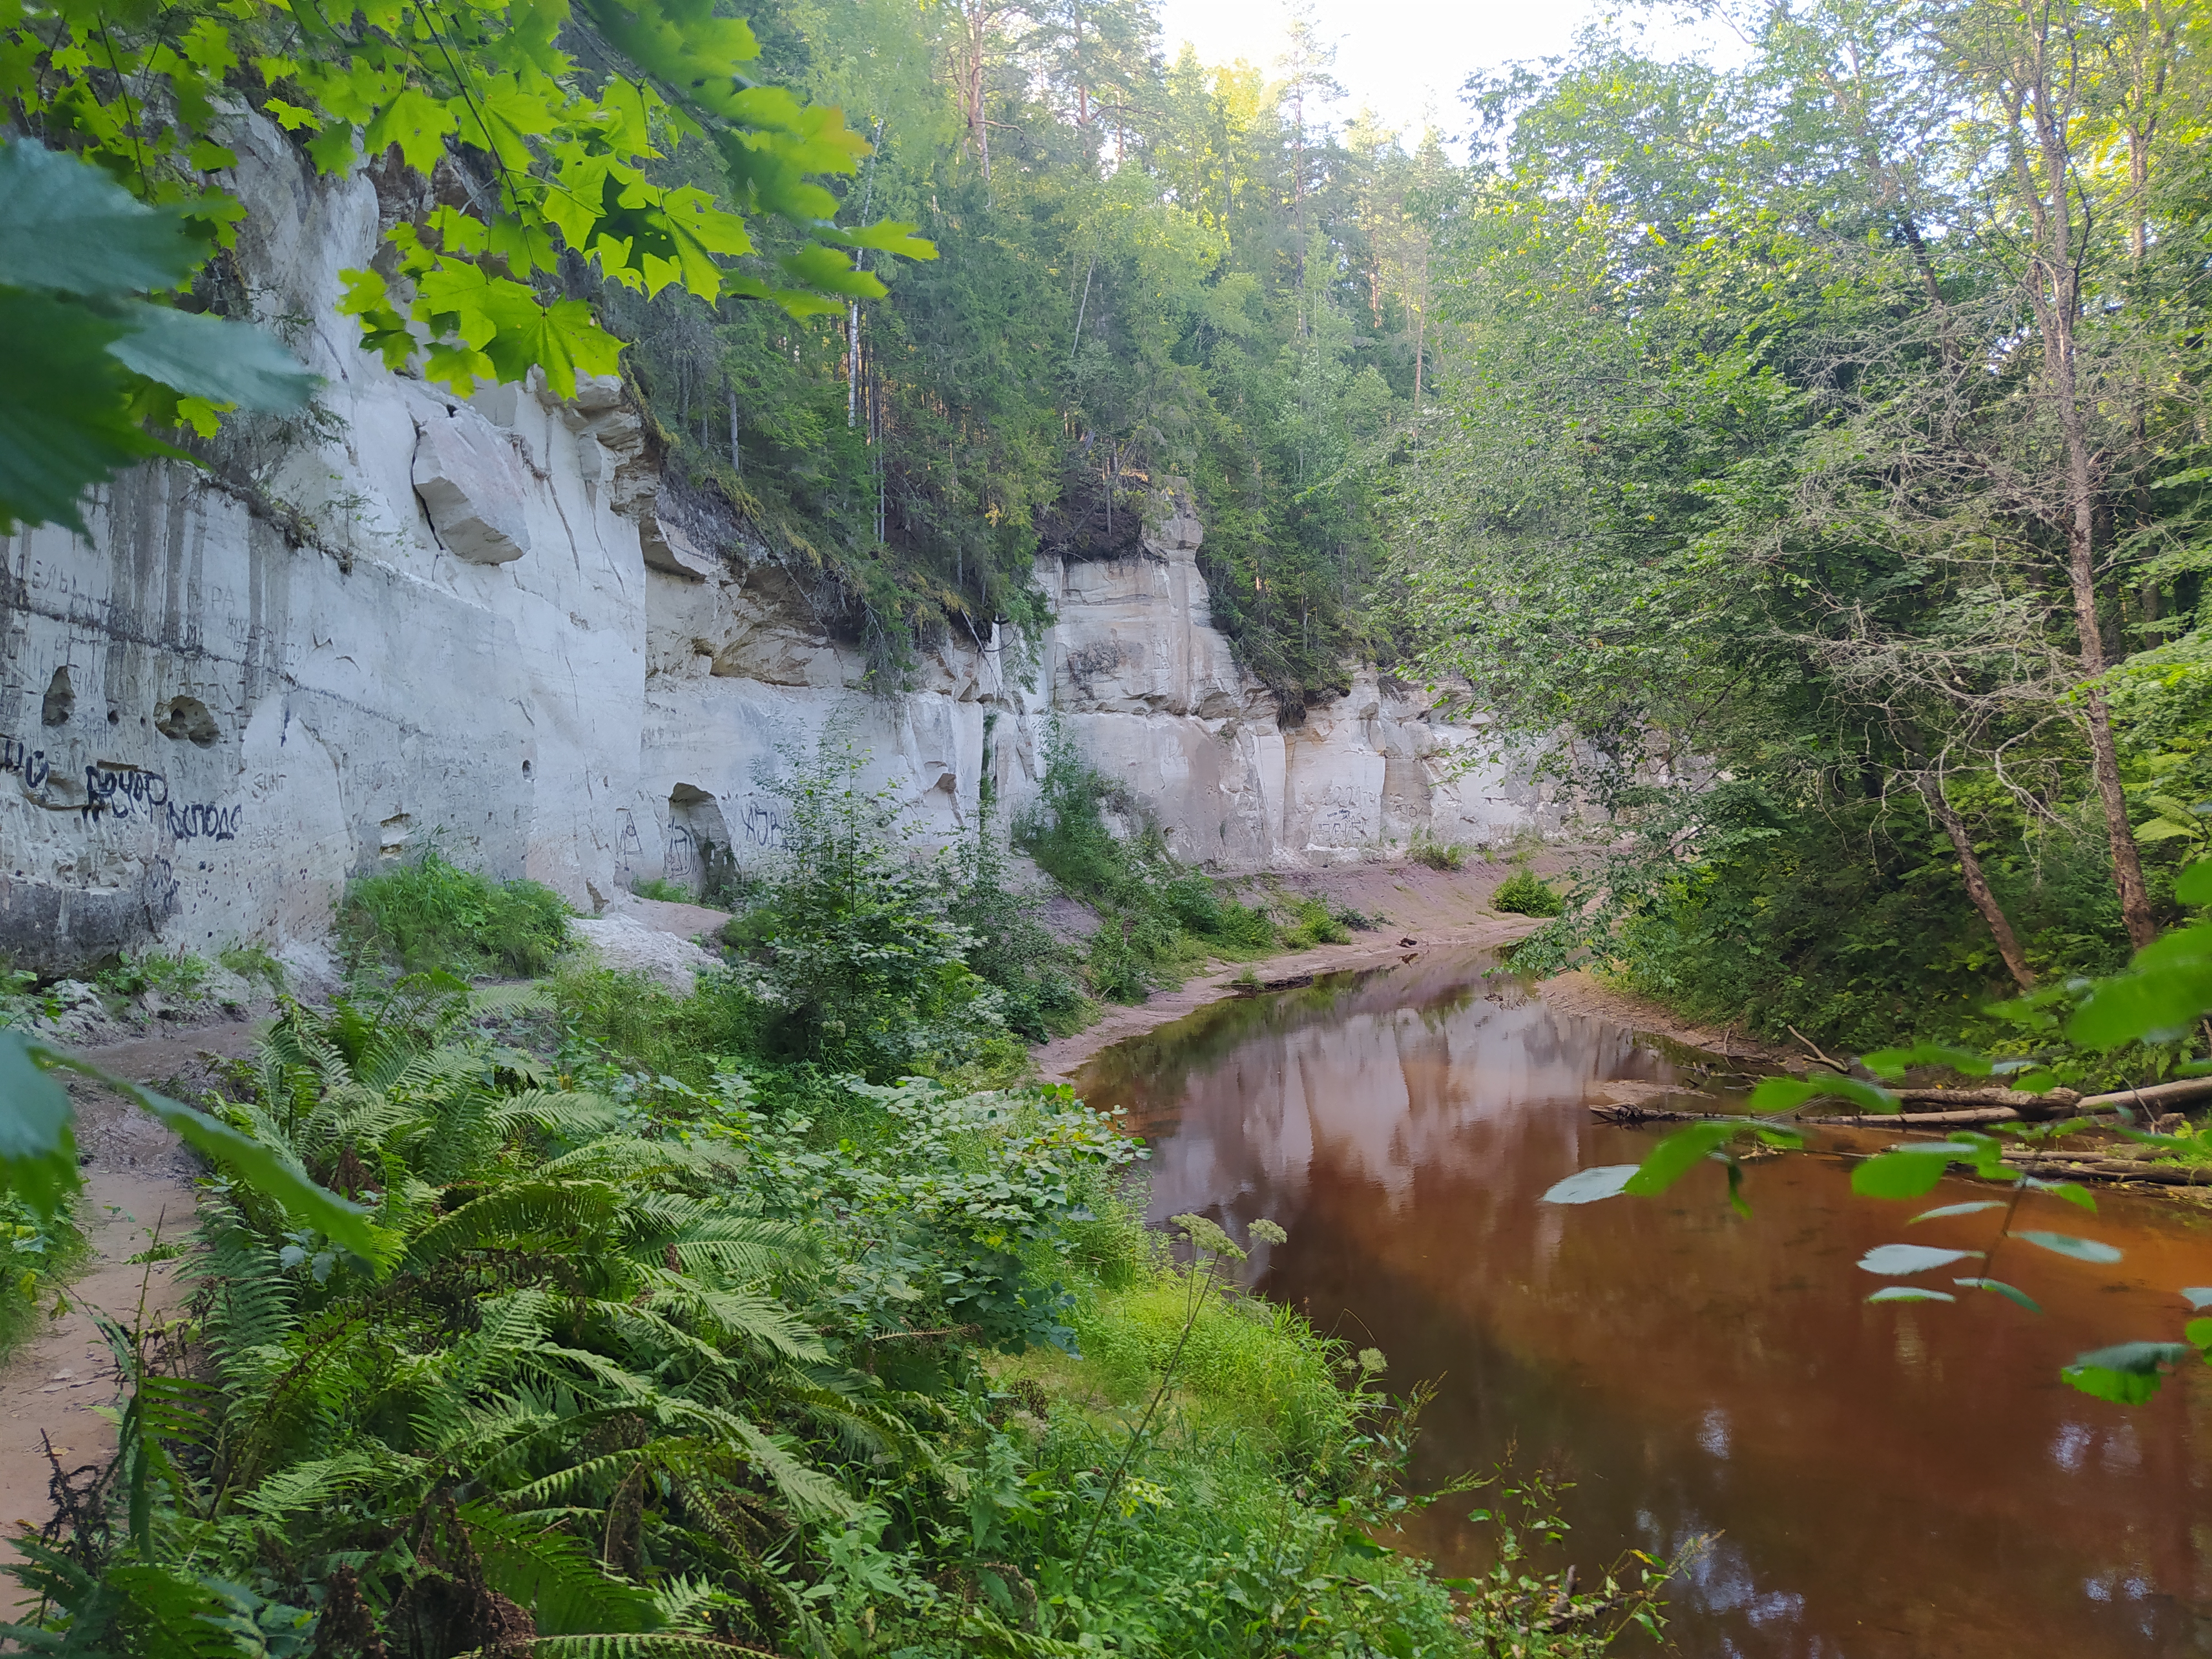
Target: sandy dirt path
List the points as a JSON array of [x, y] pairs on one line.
[[138, 1182]]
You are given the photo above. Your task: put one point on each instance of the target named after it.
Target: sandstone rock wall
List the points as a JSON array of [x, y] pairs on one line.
[[415, 619]]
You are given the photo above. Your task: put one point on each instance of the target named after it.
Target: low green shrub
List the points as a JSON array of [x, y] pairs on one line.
[[1246, 1365], [1038, 975], [1159, 918], [253, 964], [668, 892], [1524, 893], [20, 1000], [850, 952], [1313, 922], [178, 976], [432, 914], [37, 1253]]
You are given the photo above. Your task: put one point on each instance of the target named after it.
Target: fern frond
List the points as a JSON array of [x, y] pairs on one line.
[[316, 1485], [555, 1111], [729, 1316], [643, 1644], [555, 1577], [534, 1214]]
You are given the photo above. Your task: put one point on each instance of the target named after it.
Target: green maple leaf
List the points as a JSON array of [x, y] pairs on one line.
[[64, 410], [825, 268], [564, 339], [503, 116], [418, 124]]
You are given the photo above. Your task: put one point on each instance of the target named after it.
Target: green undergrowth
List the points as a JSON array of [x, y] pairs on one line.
[[1248, 1368], [42, 1252], [740, 1351], [1857, 933], [1524, 893], [1159, 919], [430, 914], [178, 975]]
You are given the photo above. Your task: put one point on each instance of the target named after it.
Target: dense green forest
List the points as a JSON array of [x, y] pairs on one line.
[[1807, 455], [1827, 456], [1163, 269]]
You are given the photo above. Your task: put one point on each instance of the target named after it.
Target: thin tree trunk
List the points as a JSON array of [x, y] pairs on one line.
[[2055, 291], [1977, 886]]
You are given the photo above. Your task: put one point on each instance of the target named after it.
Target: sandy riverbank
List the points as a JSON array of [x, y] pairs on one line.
[[1419, 909]]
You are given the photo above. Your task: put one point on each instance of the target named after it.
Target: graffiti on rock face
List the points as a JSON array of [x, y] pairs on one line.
[[119, 788], [678, 862], [763, 825], [203, 820], [29, 764]]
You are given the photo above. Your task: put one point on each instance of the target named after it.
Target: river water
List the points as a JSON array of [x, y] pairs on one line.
[[1880, 1480]]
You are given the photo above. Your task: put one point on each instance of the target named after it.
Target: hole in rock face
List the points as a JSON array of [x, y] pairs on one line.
[[114, 717], [183, 719], [60, 701], [698, 841]]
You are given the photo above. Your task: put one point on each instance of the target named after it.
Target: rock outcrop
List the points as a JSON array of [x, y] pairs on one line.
[[483, 624]]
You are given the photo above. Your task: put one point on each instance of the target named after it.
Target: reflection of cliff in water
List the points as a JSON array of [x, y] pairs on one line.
[[1380, 1077], [1889, 1481]]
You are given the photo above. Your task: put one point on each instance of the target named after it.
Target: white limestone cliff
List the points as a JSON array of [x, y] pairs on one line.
[[481, 624]]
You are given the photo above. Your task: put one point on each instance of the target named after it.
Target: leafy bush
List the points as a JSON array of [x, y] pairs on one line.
[[178, 976], [1158, 918], [1009, 946], [1247, 1364], [1313, 922], [1524, 893], [1853, 925], [41, 1253], [432, 915], [854, 958], [668, 892]]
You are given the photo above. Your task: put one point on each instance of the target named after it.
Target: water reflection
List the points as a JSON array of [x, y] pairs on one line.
[[1897, 1479]]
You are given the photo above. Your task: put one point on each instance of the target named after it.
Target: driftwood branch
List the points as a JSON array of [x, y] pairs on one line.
[[2113, 1168]]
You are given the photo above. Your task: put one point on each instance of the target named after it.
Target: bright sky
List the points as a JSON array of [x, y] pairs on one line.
[[1400, 56]]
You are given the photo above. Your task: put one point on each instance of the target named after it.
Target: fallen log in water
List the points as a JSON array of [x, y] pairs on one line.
[[2162, 1095], [2112, 1169], [2055, 1103]]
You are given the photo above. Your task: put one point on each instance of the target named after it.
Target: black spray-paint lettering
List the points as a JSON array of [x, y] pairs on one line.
[[205, 820], [764, 825], [16, 755], [113, 787]]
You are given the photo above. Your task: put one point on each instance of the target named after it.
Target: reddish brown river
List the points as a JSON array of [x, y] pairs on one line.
[[1880, 1480]]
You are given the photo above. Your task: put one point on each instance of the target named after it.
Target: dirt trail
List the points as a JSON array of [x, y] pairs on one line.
[[137, 1180]]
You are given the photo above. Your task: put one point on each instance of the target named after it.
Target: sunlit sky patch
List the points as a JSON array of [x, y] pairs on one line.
[[1403, 58]]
